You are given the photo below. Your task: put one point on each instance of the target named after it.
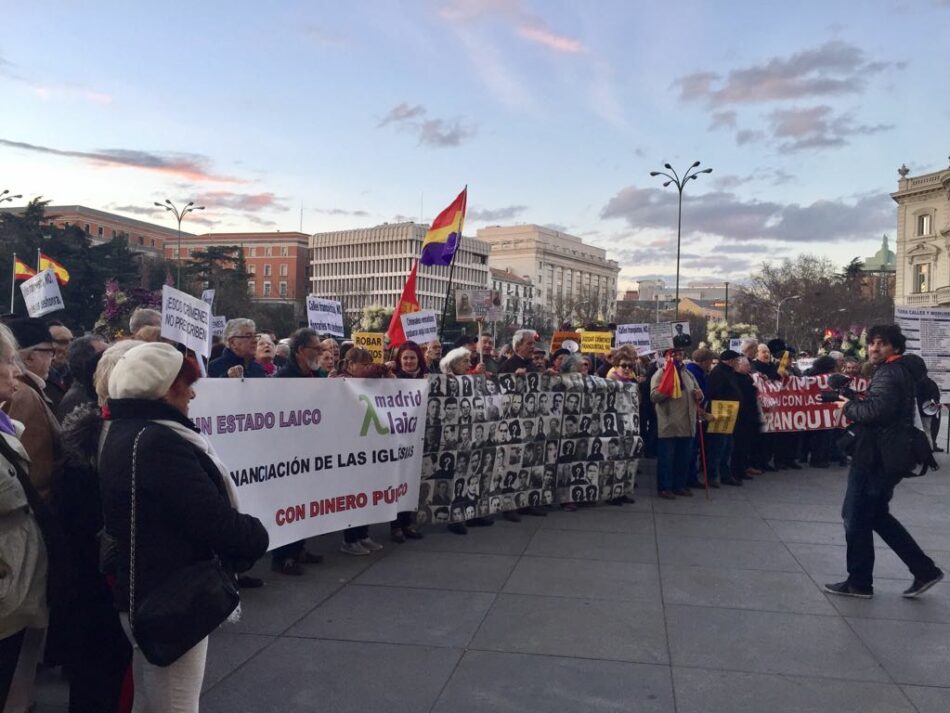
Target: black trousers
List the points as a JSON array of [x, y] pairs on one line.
[[287, 552], [9, 655], [866, 511], [355, 534]]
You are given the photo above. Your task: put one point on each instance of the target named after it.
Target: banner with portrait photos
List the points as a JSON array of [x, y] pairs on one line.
[[504, 442]]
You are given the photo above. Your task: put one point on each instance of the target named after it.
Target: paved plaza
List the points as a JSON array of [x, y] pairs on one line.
[[691, 606]]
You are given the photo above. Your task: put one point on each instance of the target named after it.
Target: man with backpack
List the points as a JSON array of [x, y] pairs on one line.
[[884, 420]]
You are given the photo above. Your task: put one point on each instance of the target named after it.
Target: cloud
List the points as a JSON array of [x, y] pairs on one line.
[[256, 220], [724, 214], [190, 166], [773, 177], [490, 214], [559, 43], [323, 37], [527, 26], [723, 120], [748, 136], [832, 69], [399, 218], [815, 127], [137, 209], [341, 211], [248, 202], [52, 90], [431, 132]]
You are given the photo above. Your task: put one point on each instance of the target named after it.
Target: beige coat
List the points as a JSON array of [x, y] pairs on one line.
[[41, 434], [675, 418]]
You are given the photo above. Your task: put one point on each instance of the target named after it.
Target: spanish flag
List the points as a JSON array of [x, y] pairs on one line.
[[46, 262], [22, 271], [670, 383], [442, 239], [408, 303]]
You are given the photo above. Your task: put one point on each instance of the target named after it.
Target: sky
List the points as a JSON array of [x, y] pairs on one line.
[[338, 115]]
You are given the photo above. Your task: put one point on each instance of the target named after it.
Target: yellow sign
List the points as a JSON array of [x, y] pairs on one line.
[[558, 338], [597, 342], [371, 342], [723, 417]]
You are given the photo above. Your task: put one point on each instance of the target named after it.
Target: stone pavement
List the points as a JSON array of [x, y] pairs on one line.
[[691, 606]]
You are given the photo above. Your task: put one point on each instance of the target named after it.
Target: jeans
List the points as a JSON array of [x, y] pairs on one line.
[[167, 689], [718, 457], [865, 511], [672, 462]]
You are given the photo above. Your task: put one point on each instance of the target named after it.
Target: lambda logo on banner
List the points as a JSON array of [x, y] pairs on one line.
[[394, 410]]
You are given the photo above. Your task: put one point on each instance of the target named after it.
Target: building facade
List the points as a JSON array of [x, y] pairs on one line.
[[923, 239], [571, 279], [878, 272], [366, 267], [517, 294], [277, 262], [650, 289]]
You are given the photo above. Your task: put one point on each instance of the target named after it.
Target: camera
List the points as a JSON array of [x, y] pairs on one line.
[[838, 386]]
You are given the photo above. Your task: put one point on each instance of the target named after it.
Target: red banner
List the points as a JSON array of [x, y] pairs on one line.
[[794, 404]]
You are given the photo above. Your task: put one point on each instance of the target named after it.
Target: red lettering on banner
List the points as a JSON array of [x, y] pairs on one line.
[[285, 516], [794, 403]]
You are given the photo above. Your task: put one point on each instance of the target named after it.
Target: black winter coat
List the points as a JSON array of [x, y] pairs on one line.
[[769, 371], [889, 401], [183, 513], [722, 385]]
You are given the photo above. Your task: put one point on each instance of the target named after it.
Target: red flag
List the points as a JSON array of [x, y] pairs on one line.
[[407, 304], [670, 381]]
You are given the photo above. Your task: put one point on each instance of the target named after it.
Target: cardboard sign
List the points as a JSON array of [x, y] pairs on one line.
[[325, 316], [559, 338], [723, 415], [597, 342], [217, 325], [186, 320], [420, 327], [208, 296], [41, 294], [371, 342], [636, 334], [473, 305]]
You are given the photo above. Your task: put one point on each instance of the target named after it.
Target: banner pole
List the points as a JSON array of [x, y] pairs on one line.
[[39, 259], [13, 283]]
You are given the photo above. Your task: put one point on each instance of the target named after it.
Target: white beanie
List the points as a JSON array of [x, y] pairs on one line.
[[145, 372]]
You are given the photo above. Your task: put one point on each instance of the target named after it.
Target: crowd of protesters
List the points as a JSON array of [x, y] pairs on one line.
[[89, 431]]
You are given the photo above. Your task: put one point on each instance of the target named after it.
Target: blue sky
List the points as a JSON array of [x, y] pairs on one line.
[[552, 112]]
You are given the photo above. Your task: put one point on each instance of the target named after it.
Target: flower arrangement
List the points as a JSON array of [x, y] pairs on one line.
[[118, 305], [719, 332], [853, 342]]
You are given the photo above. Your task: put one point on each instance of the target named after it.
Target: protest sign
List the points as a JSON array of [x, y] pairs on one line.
[[794, 403], [472, 305], [325, 316], [371, 342], [208, 296], [312, 456], [636, 334], [186, 320], [420, 327], [560, 337], [218, 323], [501, 443], [597, 342], [735, 344], [41, 294], [928, 334], [723, 416], [662, 334]]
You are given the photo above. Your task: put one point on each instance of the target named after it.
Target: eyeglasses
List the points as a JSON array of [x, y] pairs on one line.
[[626, 366], [63, 342], [244, 336], [44, 350]]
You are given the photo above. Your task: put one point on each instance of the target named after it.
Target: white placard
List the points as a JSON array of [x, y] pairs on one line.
[[186, 320], [928, 334], [636, 334], [420, 327], [41, 294], [478, 304], [734, 344], [312, 456], [208, 296], [218, 323], [325, 316]]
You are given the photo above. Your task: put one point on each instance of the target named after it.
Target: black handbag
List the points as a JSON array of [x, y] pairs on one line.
[[182, 610]]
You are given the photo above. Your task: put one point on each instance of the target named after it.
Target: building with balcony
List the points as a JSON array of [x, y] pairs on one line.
[[517, 294], [923, 239], [366, 267], [571, 278]]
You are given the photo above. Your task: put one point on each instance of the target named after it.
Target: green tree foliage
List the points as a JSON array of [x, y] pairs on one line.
[[220, 268]]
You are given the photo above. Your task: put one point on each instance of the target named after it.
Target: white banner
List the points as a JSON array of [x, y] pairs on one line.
[[636, 334], [420, 327], [325, 316], [41, 294], [186, 320], [314, 456], [218, 322]]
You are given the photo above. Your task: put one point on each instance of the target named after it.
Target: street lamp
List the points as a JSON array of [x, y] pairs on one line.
[[179, 214], [6, 197], [778, 310], [680, 184], [726, 316]]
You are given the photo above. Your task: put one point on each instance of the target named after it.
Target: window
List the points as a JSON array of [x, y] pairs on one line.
[[266, 288], [922, 277], [923, 224], [267, 252], [284, 251], [251, 252], [283, 270], [252, 269], [267, 270], [252, 287], [113, 235], [283, 288], [100, 231], [87, 228]]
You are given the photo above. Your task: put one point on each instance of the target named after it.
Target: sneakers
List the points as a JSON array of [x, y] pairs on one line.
[[846, 589], [683, 493], [666, 495], [369, 545], [354, 548], [921, 585], [288, 566]]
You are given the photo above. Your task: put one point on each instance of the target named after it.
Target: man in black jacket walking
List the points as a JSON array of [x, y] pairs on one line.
[[890, 401]]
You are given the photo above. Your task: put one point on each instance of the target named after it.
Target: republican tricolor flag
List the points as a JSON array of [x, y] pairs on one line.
[[445, 233]]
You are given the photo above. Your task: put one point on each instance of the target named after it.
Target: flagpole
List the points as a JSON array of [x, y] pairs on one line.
[[458, 248], [39, 260], [13, 284]]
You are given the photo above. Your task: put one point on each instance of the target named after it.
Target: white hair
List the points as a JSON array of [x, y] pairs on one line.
[[8, 344], [237, 325], [110, 357], [454, 356], [520, 336], [144, 317]]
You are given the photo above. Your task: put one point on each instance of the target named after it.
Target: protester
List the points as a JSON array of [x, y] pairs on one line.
[[851, 367], [358, 364], [699, 367], [238, 358], [486, 349], [141, 318], [409, 365], [59, 378], [763, 449], [30, 406], [722, 385], [819, 444], [624, 368], [265, 354], [676, 395], [156, 466], [748, 423], [83, 358], [888, 404], [281, 354], [24, 520], [585, 367], [304, 363], [433, 358], [648, 367], [459, 362], [520, 361]]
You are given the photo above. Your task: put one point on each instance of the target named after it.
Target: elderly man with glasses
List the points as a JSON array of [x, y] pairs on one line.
[[237, 359]]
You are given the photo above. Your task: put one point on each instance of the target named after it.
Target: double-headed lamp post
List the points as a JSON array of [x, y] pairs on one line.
[[778, 309], [179, 214], [5, 196], [680, 183]]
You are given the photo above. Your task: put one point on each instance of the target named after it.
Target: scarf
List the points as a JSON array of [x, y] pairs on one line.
[[202, 444]]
